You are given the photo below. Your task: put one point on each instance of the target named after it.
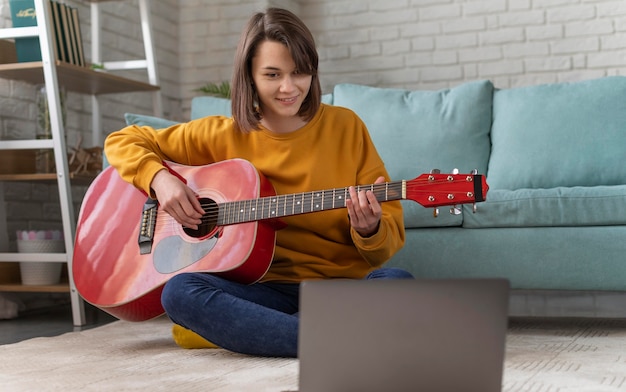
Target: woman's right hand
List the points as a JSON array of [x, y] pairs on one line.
[[177, 199]]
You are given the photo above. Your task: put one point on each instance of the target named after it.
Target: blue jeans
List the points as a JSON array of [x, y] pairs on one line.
[[258, 319]]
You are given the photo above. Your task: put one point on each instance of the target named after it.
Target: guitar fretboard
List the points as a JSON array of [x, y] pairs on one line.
[[302, 203]]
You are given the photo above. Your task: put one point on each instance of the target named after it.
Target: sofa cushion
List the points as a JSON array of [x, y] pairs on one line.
[[575, 206], [209, 106], [559, 135], [150, 121], [416, 131]]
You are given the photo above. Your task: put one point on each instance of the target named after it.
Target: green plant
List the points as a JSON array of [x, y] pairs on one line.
[[217, 90], [97, 67]]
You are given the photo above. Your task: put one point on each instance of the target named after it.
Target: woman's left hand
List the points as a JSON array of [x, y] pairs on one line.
[[364, 210]]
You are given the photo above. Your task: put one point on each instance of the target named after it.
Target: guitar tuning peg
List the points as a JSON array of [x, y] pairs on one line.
[[455, 210], [474, 208], [455, 171], [435, 212], [435, 171], [474, 171]]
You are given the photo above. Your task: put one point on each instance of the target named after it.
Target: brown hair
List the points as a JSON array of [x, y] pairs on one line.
[[281, 26]]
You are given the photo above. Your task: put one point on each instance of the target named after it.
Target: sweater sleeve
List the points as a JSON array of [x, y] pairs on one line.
[[389, 238], [137, 153]]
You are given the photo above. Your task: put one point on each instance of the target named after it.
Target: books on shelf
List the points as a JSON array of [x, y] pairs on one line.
[[23, 15], [66, 38]]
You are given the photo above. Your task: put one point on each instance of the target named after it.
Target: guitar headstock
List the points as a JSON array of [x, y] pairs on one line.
[[437, 189]]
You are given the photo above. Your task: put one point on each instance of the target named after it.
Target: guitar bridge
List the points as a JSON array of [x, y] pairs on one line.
[[148, 223]]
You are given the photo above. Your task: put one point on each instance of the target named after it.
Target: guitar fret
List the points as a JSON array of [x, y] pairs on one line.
[[227, 213], [239, 211], [231, 207], [245, 211], [277, 206], [272, 209]]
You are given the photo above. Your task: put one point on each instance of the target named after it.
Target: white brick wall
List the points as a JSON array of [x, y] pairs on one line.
[[425, 44], [416, 44], [435, 44]]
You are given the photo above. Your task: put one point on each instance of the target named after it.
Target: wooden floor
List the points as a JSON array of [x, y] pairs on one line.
[[49, 321]]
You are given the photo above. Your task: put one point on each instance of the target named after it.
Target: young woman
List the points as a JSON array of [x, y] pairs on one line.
[[300, 145]]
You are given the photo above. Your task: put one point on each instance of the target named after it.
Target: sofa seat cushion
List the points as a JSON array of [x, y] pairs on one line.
[[559, 135], [575, 206], [416, 131]]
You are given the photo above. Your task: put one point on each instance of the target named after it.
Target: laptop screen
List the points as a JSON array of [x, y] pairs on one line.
[[402, 335]]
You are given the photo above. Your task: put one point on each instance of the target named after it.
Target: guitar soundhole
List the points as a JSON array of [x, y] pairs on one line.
[[209, 220]]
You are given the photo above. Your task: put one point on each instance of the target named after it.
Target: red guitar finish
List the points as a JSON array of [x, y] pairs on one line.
[[125, 250]]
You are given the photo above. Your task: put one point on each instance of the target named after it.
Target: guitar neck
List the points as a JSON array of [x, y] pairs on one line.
[[302, 203]]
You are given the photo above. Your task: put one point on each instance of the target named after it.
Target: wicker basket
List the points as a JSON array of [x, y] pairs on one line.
[[40, 273]]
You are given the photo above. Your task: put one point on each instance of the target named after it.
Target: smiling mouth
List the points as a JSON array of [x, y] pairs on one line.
[[288, 100]]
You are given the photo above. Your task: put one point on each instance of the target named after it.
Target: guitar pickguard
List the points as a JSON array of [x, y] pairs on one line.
[[173, 253]]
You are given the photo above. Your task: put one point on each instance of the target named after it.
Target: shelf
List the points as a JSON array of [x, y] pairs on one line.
[[10, 281], [14, 257], [20, 288], [19, 165], [75, 78], [78, 179]]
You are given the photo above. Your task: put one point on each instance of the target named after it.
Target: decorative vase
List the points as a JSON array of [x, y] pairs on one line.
[[44, 241]]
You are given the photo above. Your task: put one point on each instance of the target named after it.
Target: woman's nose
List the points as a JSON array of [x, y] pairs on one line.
[[287, 84]]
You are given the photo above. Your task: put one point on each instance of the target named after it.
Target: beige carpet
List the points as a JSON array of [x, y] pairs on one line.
[[542, 356]]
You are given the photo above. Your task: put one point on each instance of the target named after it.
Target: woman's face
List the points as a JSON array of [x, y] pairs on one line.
[[280, 87]]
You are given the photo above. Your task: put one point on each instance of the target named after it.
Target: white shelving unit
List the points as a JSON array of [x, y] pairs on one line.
[[74, 78]]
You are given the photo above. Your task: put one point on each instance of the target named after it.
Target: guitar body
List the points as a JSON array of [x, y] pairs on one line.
[[110, 272]]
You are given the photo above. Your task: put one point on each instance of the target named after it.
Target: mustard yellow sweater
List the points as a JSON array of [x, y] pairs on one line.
[[333, 150]]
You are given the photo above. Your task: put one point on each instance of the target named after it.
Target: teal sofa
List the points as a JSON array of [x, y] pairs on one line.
[[554, 156]]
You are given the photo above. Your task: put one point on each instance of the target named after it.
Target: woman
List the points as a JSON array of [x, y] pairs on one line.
[[300, 145]]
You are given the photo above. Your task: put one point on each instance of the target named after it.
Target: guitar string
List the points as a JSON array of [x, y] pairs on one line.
[[211, 208], [376, 188]]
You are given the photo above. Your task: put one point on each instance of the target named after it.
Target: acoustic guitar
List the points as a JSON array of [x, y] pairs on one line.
[[126, 249]]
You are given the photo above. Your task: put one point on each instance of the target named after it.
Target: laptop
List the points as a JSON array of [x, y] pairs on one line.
[[402, 335]]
